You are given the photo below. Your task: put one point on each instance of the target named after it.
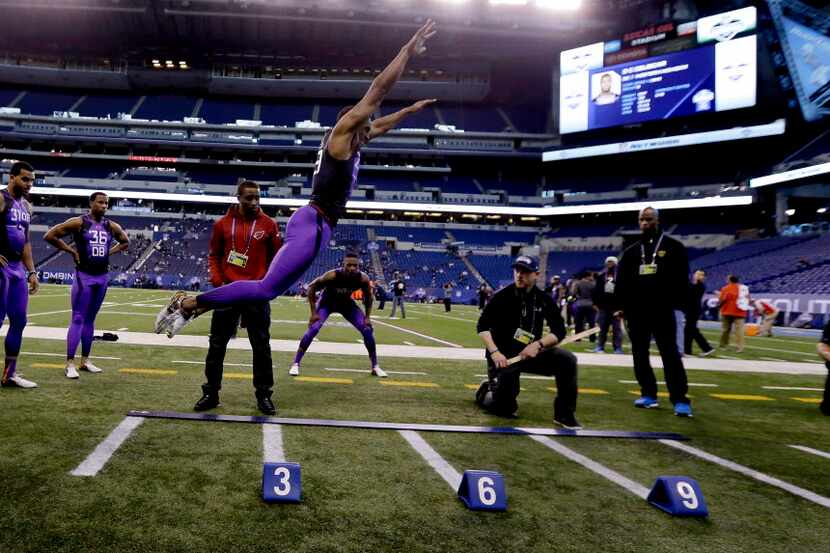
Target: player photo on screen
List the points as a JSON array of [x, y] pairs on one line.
[[573, 102], [606, 88], [726, 26], [735, 73]]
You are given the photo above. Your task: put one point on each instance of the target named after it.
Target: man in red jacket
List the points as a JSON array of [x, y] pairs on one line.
[[242, 245]]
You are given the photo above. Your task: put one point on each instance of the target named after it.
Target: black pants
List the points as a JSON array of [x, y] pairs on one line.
[[607, 321], [692, 333], [447, 304], [382, 301], [585, 314], [499, 394], [223, 326], [825, 404], [663, 327]]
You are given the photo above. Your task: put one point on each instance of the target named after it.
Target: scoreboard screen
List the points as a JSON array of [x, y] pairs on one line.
[[661, 72]]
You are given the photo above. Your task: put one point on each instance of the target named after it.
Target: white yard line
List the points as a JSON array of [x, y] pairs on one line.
[[796, 388], [746, 471], [64, 355], [366, 371], [247, 365], [615, 477], [272, 448], [93, 464], [444, 316], [812, 451], [691, 384], [441, 466], [417, 334]]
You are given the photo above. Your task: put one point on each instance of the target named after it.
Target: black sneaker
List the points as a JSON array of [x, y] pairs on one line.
[[568, 422], [207, 402], [266, 406]]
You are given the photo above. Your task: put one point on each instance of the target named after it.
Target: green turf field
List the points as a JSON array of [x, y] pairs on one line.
[[191, 486]]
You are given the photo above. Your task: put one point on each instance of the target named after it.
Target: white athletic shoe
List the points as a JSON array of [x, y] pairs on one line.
[[89, 367], [176, 323], [294, 370], [18, 381], [707, 353], [71, 371], [377, 371], [170, 320]]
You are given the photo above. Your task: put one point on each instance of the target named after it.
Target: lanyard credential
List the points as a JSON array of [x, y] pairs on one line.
[[653, 254], [247, 242]]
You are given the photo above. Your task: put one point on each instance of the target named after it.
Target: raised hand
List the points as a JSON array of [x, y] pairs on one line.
[[417, 44], [421, 104]]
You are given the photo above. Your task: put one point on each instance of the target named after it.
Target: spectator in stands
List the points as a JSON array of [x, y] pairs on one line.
[[447, 297], [606, 304], [768, 314], [652, 284], [512, 325], [733, 312], [398, 292], [691, 332], [583, 291], [824, 352], [242, 245]]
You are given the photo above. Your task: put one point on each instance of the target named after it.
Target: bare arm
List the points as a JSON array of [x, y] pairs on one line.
[[29, 263], [315, 285], [340, 143], [368, 298], [383, 125], [121, 236], [824, 351], [55, 234]]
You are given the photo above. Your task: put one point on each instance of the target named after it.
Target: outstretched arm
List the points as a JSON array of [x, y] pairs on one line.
[[340, 143], [383, 125]]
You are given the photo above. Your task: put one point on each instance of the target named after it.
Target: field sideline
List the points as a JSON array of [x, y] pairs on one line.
[[189, 486]]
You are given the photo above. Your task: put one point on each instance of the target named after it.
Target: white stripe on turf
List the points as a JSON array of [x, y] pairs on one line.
[[797, 388], [615, 477], [690, 384], [441, 466], [202, 363], [806, 449], [366, 371], [64, 355], [99, 457], [746, 471], [272, 450], [375, 321]]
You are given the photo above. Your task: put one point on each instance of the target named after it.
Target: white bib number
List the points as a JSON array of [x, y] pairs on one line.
[[283, 486], [486, 493]]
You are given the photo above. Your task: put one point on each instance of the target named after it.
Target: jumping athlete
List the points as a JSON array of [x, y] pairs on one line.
[[309, 229], [93, 235], [337, 287], [17, 268]]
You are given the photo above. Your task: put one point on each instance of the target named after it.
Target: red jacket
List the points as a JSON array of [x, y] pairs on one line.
[[265, 242]]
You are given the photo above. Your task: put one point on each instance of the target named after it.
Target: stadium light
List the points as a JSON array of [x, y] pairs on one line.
[[786, 176], [563, 5], [508, 2], [790, 212], [821, 210]]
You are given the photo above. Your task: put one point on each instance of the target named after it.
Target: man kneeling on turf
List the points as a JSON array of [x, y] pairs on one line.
[[511, 325]]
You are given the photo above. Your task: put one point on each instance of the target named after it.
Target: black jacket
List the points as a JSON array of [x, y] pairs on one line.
[[504, 314], [603, 299], [696, 292], [668, 289]]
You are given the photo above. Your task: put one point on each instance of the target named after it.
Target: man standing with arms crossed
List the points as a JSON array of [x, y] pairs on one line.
[[18, 277], [242, 245], [93, 235], [652, 284]]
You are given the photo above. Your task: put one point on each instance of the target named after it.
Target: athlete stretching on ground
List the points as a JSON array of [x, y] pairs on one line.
[[309, 229], [337, 287]]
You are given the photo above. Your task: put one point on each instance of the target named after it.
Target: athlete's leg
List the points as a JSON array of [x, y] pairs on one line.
[[306, 233], [98, 291], [355, 316], [323, 311], [79, 299], [17, 301]]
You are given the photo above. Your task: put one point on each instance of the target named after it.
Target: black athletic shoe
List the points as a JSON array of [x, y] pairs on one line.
[[568, 422], [207, 402], [266, 406]]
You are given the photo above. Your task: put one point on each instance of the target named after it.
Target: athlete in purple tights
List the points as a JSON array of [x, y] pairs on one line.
[[336, 297], [17, 269], [93, 235], [309, 229]]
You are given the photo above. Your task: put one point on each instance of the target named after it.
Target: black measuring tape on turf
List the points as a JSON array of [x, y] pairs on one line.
[[206, 417]]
